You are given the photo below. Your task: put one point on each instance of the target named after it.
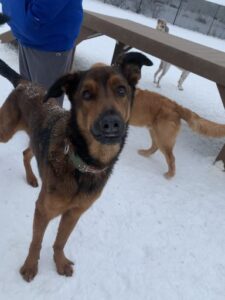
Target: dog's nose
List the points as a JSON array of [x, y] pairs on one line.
[[111, 125], [109, 128]]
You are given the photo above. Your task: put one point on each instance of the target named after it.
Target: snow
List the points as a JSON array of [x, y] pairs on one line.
[[146, 238]]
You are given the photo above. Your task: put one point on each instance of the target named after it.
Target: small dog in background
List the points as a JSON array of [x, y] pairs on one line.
[[164, 66]]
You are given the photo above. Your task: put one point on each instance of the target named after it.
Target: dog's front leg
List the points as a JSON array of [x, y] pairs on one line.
[[158, 71], [165, 67], [183, 76], [67, 223], [40, 222], [155, 75]]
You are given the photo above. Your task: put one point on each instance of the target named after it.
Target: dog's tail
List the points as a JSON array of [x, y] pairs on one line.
[[10, 74], [201, 125], [3, 19]]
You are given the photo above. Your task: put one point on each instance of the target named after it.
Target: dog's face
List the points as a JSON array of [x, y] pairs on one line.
[[105, 99], [161, 25], [101, 100]]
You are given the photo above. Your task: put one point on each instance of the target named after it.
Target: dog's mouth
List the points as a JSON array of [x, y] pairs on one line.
[[109, 139], [109, 128]]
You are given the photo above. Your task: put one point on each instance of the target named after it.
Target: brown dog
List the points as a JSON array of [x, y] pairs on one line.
[[162, 117], [75, 150]]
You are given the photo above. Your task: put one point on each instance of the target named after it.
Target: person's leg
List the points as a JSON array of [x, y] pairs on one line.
[[23, 63], [44, 67]]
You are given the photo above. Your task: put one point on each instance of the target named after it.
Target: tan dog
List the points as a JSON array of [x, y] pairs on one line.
[[164, 65], [162, 117]]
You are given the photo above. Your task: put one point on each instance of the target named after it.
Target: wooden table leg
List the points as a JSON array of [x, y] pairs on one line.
[[119, 48], [221, 155]]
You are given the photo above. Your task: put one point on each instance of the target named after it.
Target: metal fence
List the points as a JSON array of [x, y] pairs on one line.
[[197, 15]]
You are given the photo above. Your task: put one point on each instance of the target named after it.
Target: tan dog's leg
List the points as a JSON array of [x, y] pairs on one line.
[[67, 223], [40, 222], [165, 144], [167, 131], [152, 149], [31, 178], [170, 159]]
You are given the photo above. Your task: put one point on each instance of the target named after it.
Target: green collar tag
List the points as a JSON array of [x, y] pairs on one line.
[[80, 165]]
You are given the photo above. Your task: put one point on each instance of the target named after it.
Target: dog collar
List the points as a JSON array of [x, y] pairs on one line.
[[79, 164]]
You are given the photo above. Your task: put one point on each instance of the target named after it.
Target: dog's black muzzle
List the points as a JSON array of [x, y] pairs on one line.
[[109, 128]]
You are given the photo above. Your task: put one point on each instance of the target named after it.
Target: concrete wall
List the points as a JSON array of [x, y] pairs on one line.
[[197, 15]]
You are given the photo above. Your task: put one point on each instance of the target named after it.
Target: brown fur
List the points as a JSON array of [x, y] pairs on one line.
[[54, 135], [98, 64], [162, 117]]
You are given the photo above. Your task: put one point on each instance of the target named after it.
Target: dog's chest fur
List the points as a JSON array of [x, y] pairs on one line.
[[49, 140]]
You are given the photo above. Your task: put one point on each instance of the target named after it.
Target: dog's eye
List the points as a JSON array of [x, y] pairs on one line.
[[86, 94], [121, 91]]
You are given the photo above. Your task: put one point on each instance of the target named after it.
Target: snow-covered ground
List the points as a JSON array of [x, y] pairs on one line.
[[146, 238]]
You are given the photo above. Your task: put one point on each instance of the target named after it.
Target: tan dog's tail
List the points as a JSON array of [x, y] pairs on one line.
[[201, 125]]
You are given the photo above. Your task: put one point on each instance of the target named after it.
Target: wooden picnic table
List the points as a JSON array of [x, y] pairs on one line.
[[201, 60]]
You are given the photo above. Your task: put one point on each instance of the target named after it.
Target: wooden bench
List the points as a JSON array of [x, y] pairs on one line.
[[198, 59]]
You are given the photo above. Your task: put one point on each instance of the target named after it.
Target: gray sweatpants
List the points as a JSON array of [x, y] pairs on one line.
[[44, 67]]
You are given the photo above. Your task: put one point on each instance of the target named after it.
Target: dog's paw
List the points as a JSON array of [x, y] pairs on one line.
[[180, 88], [144, 152], [32, 181], [64, 267], [28, 272], [169, 175], [158, 85]]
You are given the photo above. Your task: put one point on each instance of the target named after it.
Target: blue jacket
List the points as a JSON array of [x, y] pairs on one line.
[[47, 25]]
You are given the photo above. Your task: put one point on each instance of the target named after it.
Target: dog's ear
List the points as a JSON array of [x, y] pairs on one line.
[[130, 64], [136, 58], [66, 84]]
